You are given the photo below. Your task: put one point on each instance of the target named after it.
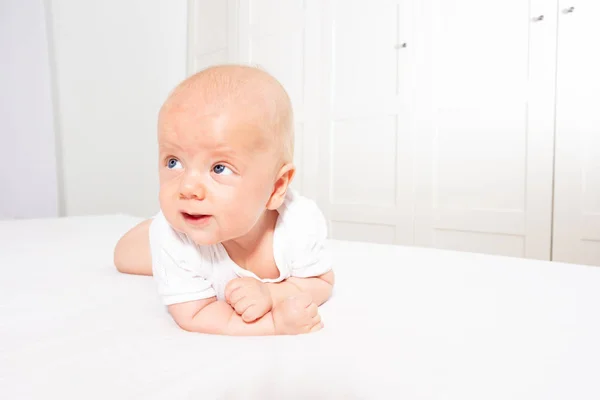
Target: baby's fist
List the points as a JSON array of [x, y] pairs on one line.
[[296, 315], [249, 297]]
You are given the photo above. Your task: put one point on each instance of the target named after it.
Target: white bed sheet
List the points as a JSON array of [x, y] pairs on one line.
[[403, 323]]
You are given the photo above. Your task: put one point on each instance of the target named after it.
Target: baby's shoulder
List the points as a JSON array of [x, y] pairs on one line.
[[300, 240], [301, 217]]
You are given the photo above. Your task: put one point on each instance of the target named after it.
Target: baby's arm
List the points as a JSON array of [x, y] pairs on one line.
[[217, 317], [132, 252], [319, 288], [250, 298]]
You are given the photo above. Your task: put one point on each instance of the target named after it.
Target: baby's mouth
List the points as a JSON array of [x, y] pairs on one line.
[[195, 218]]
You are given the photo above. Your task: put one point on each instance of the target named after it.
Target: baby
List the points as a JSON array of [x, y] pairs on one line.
[[234, 249]]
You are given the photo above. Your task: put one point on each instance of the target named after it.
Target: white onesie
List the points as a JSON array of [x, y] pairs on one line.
[[185, 271]]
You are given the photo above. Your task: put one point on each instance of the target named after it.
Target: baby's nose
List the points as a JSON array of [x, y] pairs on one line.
[[192, 188]]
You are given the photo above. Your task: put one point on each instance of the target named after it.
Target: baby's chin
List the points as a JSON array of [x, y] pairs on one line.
[[201, 237], [209, 238], [204, 233]]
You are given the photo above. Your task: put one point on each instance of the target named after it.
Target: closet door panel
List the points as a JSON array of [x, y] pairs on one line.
[[577, 176], [484, 126], [365, 147], [364, 58]]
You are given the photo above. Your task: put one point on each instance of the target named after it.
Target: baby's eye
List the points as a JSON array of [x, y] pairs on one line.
[[220, 169], [173, 163]]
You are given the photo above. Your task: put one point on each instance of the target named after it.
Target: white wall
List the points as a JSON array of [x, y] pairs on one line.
[[114, 63], [28, 179]]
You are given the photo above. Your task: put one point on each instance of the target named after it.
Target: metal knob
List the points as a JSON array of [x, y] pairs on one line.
[[569, 10], [539, 18]]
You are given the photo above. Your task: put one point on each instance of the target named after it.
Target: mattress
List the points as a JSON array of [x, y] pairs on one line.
[[403, 323]]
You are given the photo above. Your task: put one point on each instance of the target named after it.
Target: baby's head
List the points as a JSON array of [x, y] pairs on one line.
[[226, 143]]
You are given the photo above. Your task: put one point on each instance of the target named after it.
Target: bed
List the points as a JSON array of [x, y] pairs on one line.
[[403, 323]]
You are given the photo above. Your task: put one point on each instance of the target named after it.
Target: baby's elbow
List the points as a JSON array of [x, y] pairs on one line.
[[124, 258], [189, 325], [119, 258], [183, 321], [186, 325], [329, 277], [132, 252], [195, 317]]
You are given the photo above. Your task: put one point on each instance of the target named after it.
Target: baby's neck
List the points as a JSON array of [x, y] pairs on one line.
[[243, 249]]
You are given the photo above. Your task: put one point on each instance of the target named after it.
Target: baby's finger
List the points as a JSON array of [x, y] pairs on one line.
[[312, 310], [303, 299], [317, 327], [316, 319], [252, 313], [237, 294], [231, 286], [242, 305]]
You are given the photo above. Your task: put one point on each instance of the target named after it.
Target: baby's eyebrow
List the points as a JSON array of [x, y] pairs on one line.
[[169, 147], [260, 143], [225, 151], [257, 145]]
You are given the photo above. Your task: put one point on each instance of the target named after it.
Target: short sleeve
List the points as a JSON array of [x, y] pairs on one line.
[[178, 268], [304, 230]]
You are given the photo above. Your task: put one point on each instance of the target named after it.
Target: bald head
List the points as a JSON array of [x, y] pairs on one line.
[[243, 91]]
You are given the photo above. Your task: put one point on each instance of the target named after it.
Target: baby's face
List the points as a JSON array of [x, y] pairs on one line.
[[217, 173]]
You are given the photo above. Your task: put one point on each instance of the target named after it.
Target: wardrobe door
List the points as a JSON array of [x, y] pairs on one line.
[[484, 130], [577, 175], [365, 149]]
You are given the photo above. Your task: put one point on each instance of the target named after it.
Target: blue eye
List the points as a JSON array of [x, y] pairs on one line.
[[173, 163], [220, 169]]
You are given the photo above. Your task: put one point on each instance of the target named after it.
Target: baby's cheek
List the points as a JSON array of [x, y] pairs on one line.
[[168, 177], [250, 214], [167, 196]]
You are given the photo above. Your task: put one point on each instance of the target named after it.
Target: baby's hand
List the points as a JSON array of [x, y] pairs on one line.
[[296, 315], [249, 297]]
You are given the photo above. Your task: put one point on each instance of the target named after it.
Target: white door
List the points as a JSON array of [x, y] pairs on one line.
[[282, 37], [577, 174], [365, 149], [484, 129]]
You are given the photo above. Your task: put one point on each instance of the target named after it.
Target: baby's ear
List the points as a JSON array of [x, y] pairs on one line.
[[284, 179]]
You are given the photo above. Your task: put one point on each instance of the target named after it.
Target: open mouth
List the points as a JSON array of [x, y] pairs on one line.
[[195, 218]]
